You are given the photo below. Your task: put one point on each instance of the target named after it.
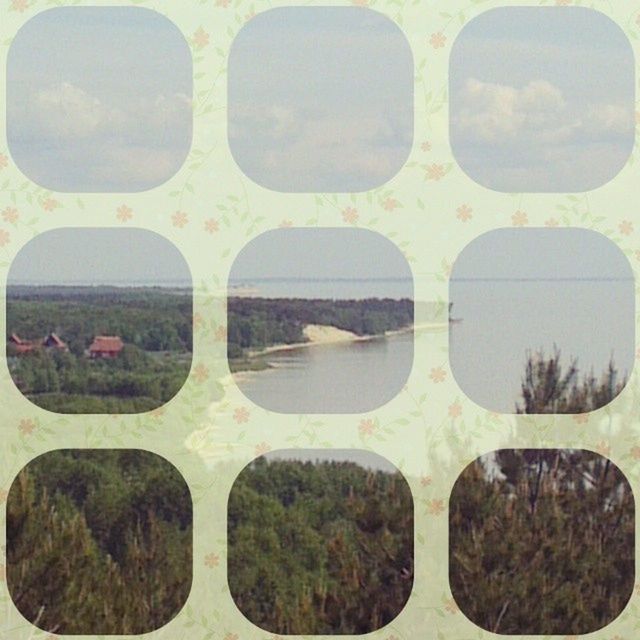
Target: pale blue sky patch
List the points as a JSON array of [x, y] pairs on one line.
[[542, 99], [79, 256], [320, 99], [99, 99], [322, 263]]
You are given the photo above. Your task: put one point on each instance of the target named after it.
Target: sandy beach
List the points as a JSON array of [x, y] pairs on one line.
[[318, 334]]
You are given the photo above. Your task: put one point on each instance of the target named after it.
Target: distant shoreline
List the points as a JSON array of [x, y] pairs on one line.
[[325, 335]]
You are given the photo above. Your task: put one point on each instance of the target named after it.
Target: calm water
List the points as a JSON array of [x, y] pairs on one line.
[[590, 320], [352, 377]]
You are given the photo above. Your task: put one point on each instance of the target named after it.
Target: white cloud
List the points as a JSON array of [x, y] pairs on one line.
[[493, 112], [297, 151], [100, 145]]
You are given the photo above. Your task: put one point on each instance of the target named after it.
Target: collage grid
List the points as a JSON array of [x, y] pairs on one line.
[[210, 431]]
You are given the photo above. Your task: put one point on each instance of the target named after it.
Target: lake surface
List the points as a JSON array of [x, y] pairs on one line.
[[348, 377], [588, 319]]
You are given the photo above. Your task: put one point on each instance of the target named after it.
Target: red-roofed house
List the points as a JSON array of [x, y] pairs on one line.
[[52, 341], [20, 345], [106, 347]]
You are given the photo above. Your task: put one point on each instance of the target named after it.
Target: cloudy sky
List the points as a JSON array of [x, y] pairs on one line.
[[542, 99], [76, 256], [99, 99], [320, 99]]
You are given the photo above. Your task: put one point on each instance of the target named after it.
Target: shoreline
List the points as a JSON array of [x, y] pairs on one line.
[[332, 336]]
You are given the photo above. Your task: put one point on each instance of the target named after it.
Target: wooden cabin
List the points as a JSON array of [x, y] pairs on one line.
[[19, 345], [106, 347], [52, 341]]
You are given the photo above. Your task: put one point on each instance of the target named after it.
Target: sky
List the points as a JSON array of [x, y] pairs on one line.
[[99, 99], [307, 262], [524, 290], [76, 256], [320, 99], [542, 99]]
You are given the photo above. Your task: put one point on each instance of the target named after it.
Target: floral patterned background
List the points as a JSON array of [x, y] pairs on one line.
[[209, 210]]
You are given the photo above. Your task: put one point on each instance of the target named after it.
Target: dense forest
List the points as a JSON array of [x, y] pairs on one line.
[[542, 542], [255, 323], [547, 388], [154, 324], [319, 548], [99, 542]]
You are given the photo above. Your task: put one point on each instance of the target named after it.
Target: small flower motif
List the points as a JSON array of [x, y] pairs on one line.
[[635, 454], [10, 215], [49, 204], [212, 561], [198, 320], [451, 606], [464, 213], [179, 219], [581, 418], [220, 333], [200, 38], [211, 225], [231, 636], [438, 374], [27, 426], [248, 16], [438, 40], [551, 222], [366, 427], [435, 507], [285, 224], [626, 227], [241, 415], [157, 414], [426, 146], [603, 448], [200, 373], [563, 3], [350, 215], [261, 449], [4, 161], [19, 5], [389, 204], [3, 495], [455, 410], [360, 3], [637, 255], [519, 219], [434, 172], [222, 3], [425, 481], [124, 213], [5, 237]]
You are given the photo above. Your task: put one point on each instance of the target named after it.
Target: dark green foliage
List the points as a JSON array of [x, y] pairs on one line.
[[319, 548], [99, 542], [156, 326], [153, 319], [546, 388], [261, 322], [542, 542]]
